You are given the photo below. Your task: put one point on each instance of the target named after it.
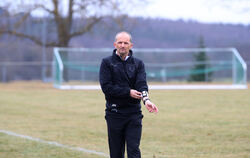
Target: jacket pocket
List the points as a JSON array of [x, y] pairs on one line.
[[131, 70]]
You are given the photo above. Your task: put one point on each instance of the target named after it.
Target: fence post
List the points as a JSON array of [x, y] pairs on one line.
[[44, 56], [4, 71]]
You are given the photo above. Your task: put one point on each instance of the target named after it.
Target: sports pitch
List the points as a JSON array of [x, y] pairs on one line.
[[190, 123]]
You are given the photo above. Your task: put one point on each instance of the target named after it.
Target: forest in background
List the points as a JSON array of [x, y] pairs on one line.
[[147, 33]]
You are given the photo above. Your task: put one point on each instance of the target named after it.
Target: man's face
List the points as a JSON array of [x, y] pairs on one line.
[[123, 44]]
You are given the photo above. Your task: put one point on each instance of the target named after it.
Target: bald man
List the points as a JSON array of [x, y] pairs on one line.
[[123, 82]]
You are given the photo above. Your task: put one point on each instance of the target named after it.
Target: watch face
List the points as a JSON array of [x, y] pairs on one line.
[[144, 94]]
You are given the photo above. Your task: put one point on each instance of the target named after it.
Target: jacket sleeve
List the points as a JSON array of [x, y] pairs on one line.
[[141, 81], [108, 88]]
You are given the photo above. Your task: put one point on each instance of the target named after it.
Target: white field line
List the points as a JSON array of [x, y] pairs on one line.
[[54, 143]]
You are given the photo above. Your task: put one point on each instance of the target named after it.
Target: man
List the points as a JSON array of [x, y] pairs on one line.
[[123, 81]]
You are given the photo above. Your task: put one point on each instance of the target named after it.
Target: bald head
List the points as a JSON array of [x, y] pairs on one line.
[[123, 44], [123, 33]]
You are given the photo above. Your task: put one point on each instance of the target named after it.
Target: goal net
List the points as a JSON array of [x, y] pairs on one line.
[[187, 68]]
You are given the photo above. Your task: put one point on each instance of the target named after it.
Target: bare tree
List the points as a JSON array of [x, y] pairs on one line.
[[66, 19], [62, 13]]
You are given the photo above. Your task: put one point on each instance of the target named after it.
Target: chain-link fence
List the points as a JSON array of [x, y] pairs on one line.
[[13, 71], [17, 71]]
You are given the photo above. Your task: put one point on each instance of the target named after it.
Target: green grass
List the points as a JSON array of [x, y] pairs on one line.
[[190, 124], [13, 147]]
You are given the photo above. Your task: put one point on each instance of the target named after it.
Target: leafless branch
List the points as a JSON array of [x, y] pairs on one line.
[[21, 21], [86, 28], [44, 8], [32, 38]]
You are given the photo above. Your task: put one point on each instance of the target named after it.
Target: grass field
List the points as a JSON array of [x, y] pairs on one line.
[[190, 124]]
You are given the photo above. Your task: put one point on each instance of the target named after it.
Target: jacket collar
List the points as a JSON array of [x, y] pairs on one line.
[[117, 56]]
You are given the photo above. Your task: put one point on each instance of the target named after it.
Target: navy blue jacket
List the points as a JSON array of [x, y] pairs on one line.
[[117, 77]]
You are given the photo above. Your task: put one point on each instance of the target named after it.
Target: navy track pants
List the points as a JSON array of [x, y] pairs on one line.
[[124, 129]]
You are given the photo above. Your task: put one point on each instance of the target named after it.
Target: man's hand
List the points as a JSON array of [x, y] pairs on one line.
[[151, 106], [135, 94]]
